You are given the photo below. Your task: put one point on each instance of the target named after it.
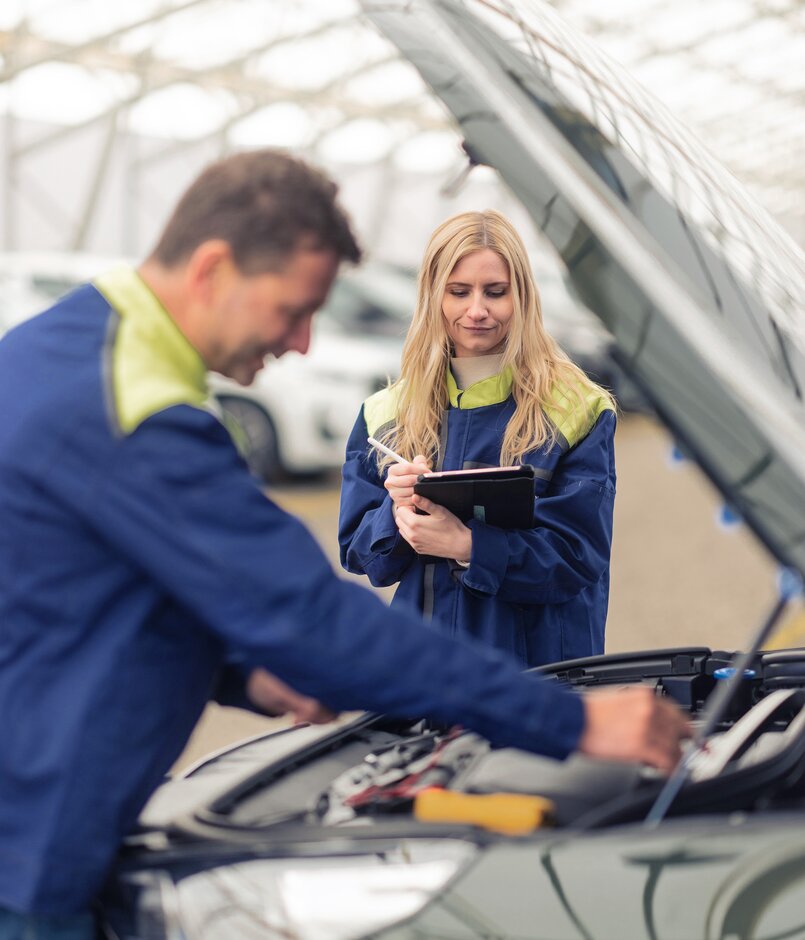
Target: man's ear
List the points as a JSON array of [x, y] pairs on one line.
[[208, 270]]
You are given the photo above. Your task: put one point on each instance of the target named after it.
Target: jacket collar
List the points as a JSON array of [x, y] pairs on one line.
[[489, 391], [135, 302], [149, 364]]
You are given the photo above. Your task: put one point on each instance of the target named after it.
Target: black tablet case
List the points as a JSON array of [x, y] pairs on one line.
[[499, 496]]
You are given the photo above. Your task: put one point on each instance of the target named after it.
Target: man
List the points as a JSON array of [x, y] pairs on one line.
[[137, 555]]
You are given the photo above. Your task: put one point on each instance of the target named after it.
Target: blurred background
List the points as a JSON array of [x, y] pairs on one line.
[[109, 109]]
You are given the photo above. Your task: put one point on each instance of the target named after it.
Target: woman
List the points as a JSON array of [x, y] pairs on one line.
[[483, 384]]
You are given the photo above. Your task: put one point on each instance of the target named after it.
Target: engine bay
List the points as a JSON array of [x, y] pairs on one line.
[[374, 768]]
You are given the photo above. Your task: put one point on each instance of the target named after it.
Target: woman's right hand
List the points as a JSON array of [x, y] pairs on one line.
[[400, 480]]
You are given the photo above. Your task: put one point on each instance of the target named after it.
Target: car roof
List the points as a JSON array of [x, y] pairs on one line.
[[76, 265]]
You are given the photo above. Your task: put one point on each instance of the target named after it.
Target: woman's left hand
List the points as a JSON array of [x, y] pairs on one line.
[[439, 533]]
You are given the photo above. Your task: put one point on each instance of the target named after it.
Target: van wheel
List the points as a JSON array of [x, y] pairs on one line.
[[257, 439]]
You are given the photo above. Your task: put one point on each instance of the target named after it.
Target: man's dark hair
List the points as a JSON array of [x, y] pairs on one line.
[[265, 204]]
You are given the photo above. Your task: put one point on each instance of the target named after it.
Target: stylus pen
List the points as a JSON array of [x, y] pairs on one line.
[[386, 450]]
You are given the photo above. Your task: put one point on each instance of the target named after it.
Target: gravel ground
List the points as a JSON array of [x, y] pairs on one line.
[[678, 577]]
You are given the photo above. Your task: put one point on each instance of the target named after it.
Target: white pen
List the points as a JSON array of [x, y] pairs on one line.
[[386, 450]]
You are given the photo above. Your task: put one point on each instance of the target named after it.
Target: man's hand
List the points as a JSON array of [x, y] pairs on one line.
[[633, 724], [274, 697], [400, 480], [439, 533]]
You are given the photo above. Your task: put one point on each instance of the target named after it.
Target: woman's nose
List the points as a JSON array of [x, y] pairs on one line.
[[477, 307]]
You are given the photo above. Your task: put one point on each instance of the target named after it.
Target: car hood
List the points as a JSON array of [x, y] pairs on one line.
[[702, 292]]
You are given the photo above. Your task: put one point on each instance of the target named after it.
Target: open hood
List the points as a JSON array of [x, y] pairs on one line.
[[702, 291]]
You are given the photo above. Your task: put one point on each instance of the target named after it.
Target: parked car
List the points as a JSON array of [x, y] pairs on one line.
[[30, 281], [314, 832], [582, 335]]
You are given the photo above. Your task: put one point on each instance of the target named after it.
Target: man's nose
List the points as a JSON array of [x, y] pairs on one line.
[[299, 339]]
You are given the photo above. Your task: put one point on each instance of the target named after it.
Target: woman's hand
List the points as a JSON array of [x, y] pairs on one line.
[[439, 533], [400, 480]]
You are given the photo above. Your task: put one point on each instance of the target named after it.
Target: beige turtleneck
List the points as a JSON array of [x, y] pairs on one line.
[[468, 370]]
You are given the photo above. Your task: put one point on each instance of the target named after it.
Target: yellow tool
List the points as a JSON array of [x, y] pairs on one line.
[[513, 814]]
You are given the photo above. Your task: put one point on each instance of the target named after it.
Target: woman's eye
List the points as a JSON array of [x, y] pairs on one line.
[[495, 293], [457, 293]]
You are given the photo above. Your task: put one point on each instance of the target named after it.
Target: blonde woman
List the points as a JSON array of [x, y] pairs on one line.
[[483, 384]]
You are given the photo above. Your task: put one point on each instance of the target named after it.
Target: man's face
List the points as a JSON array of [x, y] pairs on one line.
[[254, 315]]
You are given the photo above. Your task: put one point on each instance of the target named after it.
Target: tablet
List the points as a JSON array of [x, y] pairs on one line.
[[498, 496]]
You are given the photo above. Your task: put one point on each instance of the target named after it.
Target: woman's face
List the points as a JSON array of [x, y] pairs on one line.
[[477, 304]]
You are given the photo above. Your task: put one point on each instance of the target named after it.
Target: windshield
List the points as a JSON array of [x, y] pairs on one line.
[[701, 290]]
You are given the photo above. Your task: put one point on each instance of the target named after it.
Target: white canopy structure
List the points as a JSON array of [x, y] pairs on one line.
[[107, 109]]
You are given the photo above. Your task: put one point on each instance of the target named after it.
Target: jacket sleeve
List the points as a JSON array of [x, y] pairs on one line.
[[230, 689], [569, 547], [179, 504], [369, 540]]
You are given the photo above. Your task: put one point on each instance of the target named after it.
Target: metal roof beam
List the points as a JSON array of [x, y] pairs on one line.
[[228, 76], [98, 53], [407, 110], [51, 51]]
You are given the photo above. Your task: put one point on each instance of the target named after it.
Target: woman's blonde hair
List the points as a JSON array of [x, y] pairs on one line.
[[536, 361]]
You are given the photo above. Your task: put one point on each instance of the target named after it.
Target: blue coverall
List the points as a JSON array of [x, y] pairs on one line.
[[541, 593], [137, 557]]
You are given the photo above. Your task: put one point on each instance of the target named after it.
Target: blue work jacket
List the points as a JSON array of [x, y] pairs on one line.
[[541, 593], [138, 560]]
